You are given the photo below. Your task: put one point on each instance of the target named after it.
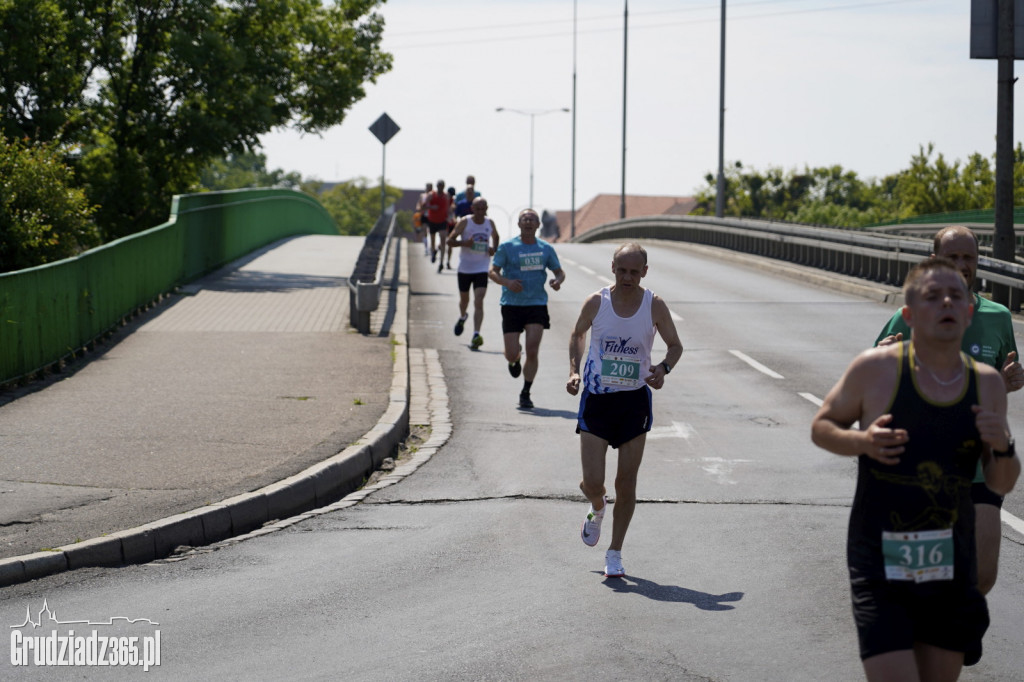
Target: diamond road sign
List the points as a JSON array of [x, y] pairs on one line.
[[384, 128]]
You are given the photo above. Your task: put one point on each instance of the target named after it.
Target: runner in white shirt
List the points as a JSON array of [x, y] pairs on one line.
[[478, 238], [615, 408]]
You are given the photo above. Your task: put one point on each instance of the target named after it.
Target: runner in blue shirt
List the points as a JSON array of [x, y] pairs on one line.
[[520, 266]]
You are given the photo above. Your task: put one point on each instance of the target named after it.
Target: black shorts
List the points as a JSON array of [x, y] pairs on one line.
[[477, 279], [891, 616], [514, 318], [982, 494], [437, 227], [616, 417]]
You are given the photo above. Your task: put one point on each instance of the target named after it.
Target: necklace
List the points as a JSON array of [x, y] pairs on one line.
[[939, 381]]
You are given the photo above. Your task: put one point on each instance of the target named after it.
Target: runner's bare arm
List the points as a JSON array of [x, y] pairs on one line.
[[578, 341], [1013, 373], [662, 318], [495, 239], [891, 339], [831, 428], [1001, 473], [556, 283], [453, 238]]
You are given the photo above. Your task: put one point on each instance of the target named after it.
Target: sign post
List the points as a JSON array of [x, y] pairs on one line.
[[994, 25], [384, 129]]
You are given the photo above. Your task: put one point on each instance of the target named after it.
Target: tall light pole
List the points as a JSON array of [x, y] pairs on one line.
[[532, 114], [720, 185], [572, 199], [625, 52]]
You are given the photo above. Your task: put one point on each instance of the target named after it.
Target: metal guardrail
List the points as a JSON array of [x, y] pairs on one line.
[[368, 276], [870, 256]]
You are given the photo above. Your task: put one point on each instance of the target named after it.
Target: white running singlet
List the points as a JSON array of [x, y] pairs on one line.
[[620, 347], [476, 259]]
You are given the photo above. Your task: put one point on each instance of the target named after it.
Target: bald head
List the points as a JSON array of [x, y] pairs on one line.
[[628, 248], [960, 245], [952, 231]]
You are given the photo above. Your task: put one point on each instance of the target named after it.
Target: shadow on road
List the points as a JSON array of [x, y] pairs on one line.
[[544, 412], [672, 593]]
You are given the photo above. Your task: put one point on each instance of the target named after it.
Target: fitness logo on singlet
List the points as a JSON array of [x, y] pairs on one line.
[[480, 240], [620, 362]]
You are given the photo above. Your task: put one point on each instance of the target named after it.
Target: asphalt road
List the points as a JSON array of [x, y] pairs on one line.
[[468, 565]]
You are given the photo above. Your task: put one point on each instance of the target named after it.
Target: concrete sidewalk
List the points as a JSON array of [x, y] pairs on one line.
[[242, 400]]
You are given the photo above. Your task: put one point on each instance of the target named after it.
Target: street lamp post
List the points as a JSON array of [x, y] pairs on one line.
[[532, 115]]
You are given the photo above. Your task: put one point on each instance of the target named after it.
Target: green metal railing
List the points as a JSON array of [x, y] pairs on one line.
[[51, 312]]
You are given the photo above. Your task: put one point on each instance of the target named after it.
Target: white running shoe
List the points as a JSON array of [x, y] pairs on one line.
[[613, 564], [591, 531]]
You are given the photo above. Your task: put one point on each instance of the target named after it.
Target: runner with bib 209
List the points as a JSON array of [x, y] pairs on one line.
[[617, 378]]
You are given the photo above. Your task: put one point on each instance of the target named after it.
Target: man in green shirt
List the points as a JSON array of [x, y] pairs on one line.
[[988, 339]]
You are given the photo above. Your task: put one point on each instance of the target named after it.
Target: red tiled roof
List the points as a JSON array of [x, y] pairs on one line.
[[605, 208]]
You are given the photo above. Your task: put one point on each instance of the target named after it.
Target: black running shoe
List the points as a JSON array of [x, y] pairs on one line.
[[515, 369], [525, 402], [460, 326], [433, 256]]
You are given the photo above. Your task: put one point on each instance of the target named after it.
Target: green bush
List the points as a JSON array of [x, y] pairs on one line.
[[43, 218]]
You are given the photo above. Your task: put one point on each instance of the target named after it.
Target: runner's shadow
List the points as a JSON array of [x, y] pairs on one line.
[[544, 412], [672, 593]]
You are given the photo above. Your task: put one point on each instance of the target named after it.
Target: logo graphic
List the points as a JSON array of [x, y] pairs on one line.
[[619, 345], [70, 649]]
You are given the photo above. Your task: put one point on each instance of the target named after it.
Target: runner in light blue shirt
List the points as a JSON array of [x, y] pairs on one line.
[[520, 266]]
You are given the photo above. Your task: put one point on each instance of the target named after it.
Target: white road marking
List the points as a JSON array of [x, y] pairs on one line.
[[587, 270], [812, 398], [677, 430], [756, 365], [1012, 521], [719, 467], [677, 318]]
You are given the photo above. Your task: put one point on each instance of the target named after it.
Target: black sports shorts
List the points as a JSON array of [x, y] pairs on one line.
[[437, 227], [981, 494], [477, 279], [891, 616], [616, 417], [514, 318]]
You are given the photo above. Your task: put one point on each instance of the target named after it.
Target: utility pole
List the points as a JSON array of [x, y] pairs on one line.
[[572, 200], [720, 186], [625, 44]]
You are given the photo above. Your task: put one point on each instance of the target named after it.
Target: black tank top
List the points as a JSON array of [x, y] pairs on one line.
[[929, 489]]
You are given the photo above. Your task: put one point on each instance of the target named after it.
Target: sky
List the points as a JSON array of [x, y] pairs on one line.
[[857, 83]]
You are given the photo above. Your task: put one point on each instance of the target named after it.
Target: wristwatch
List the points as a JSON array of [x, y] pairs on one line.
[[668, 367], [1010, 451]]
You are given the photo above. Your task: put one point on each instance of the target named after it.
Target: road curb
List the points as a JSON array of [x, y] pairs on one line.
[[321, 484]]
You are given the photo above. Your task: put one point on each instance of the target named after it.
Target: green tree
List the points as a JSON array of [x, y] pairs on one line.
[[937, 186], [354, 205], [833, 196], [152, 91], [42, 217], [238, 171]]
